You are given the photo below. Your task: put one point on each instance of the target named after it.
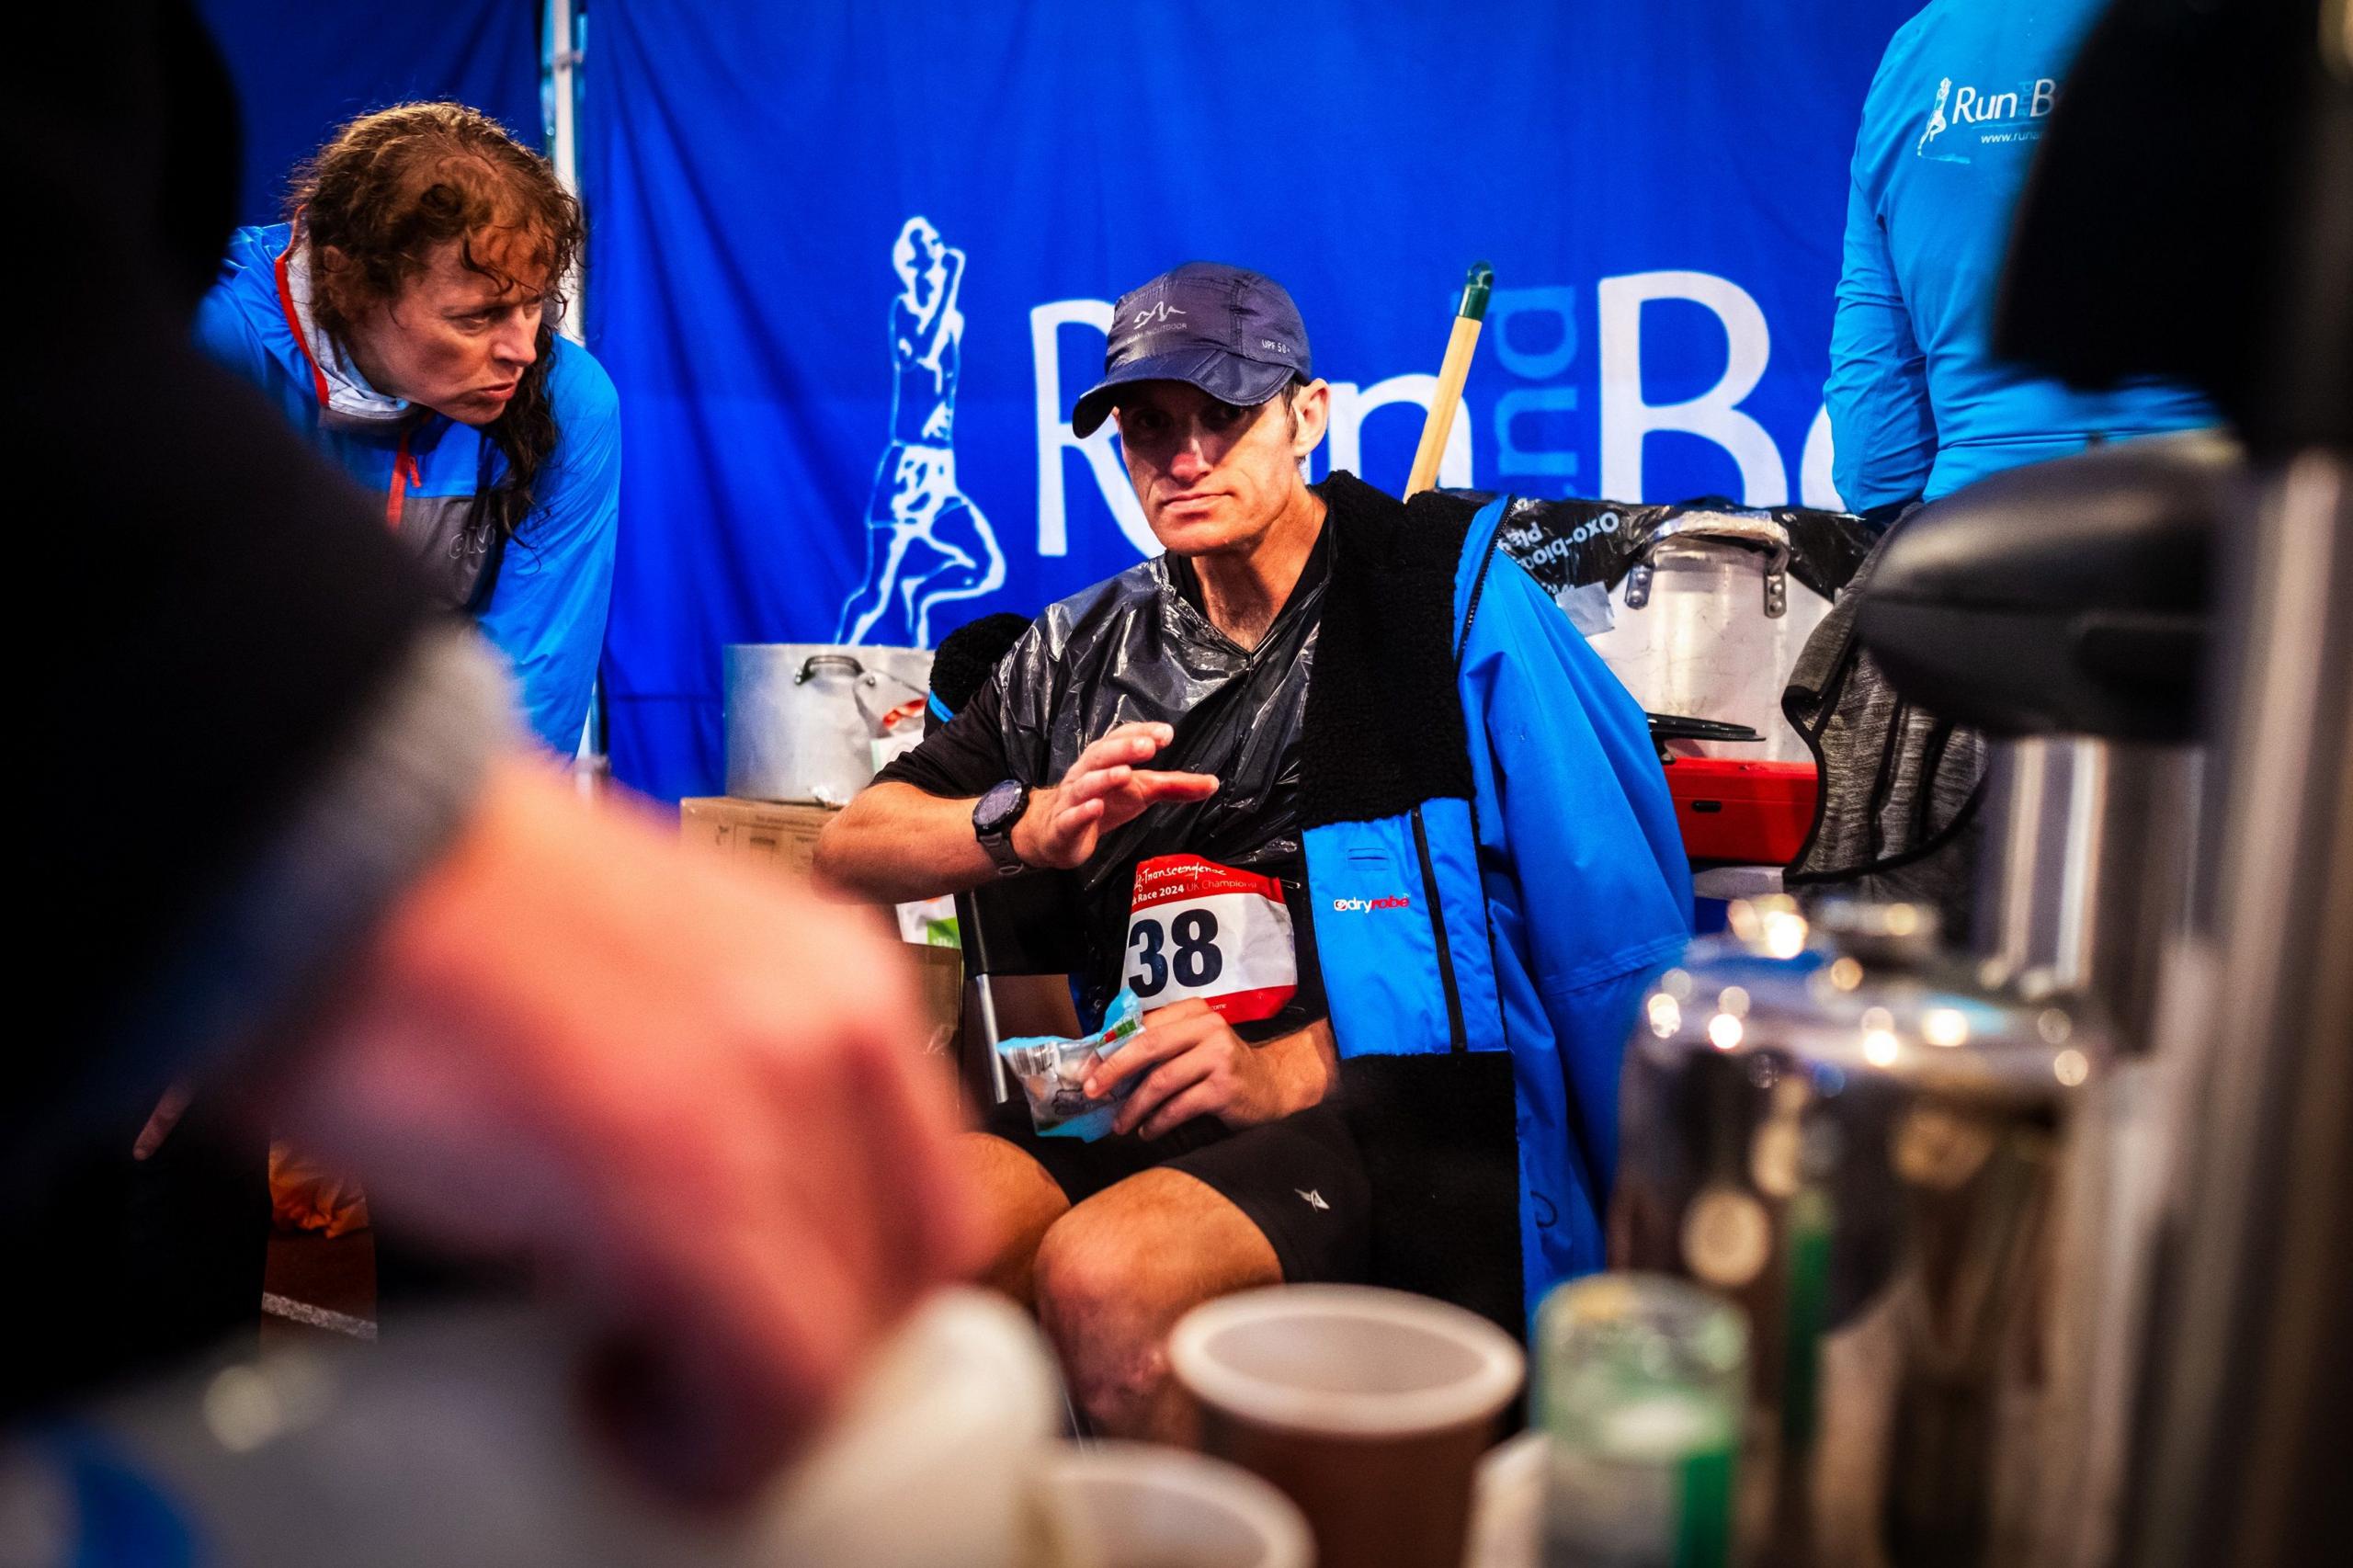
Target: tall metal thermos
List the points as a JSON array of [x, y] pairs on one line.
[[1921, 1170], [2216, 252]]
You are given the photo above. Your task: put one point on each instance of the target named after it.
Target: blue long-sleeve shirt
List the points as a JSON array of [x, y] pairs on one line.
[[1919, 406], [546, 609]]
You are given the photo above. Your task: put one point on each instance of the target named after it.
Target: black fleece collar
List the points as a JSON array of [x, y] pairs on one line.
[[1384, 729]]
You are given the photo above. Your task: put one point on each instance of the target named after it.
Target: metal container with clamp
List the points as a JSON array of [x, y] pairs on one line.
[[803, 719], [1709, 626]]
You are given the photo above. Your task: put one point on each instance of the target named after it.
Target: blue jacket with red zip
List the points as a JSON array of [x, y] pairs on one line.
[[540, 598]]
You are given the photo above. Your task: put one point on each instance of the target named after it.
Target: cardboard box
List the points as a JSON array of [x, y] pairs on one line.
[[939, 979], [767, 831]]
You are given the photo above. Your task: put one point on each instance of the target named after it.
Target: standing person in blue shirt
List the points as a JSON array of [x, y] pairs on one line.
[[403, 321], [1920, 407]]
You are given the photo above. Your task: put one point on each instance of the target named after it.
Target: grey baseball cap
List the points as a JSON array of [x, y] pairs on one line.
[[1233, 333]]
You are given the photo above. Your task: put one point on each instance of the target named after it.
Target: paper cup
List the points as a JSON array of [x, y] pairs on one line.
[[1140, 1505], [1367, 1408]]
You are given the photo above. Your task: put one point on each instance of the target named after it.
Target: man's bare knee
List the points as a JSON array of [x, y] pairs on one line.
[[1089, 1282], [1113, 1276], [1019, 1202]]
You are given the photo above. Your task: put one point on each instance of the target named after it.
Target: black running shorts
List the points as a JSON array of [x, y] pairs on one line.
[[1299, 1180]]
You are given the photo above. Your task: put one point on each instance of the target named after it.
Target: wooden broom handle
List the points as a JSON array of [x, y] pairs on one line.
[[1460, 344]]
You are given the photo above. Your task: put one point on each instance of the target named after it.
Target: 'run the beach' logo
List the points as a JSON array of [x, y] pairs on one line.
[[1936, 118], [2007, 115], [927, 542]]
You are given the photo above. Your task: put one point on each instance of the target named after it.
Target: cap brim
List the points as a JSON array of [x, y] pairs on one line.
[[1229, 378]]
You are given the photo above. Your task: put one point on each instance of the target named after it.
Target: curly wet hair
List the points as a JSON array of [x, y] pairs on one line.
[[391, 187]]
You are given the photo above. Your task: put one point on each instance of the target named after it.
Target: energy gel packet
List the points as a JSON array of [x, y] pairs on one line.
[[1052, 1072]]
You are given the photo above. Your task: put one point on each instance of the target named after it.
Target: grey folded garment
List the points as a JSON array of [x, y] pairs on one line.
[[1897, 815]]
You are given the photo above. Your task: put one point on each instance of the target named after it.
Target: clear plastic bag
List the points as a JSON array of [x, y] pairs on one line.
[[1052, 1071]]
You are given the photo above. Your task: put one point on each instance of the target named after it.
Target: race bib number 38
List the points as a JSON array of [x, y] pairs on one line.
[[1199, 929]]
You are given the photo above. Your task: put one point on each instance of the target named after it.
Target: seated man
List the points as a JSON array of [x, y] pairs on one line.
[[1351, 806]]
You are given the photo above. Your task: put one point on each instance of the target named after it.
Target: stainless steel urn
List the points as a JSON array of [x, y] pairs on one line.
[[1871, 1154]]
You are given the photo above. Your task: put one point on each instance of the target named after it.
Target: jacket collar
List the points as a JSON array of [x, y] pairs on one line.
[[343, 392], [1384, 729]]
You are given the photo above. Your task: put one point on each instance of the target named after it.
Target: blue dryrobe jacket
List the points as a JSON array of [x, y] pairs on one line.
[[1485, 931], [542, 599], [1919, 406]]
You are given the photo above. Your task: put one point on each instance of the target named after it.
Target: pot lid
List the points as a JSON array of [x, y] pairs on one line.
[[1862, 990]]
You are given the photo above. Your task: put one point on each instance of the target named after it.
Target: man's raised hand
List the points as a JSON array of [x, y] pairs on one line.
[[1107, 788]]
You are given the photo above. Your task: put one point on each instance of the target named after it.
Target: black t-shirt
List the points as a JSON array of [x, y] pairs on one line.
[[1139, 648]]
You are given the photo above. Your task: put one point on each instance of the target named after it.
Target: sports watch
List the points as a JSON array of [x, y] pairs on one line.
[[993, 820]]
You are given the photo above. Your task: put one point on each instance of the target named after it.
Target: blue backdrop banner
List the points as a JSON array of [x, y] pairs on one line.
[[302, 68], [850, 262]]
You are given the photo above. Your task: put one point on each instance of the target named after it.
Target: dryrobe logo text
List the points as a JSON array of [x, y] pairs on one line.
[[1996, 116], [1367, 905]]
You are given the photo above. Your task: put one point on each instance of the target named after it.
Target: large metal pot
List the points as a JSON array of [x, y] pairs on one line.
[[1709, 624], [804, 718]]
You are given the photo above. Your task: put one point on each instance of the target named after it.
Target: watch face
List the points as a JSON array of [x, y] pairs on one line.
[[1000, 808]]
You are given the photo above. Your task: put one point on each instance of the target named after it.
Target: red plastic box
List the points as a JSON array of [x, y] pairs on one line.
[[1751, 813]]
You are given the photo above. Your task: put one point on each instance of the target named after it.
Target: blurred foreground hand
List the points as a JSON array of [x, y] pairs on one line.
[[698, 1098]]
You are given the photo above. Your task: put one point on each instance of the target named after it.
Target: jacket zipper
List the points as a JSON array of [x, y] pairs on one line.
[[1457, 1036], [294, 320], [1478, 587], [405, 473]]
